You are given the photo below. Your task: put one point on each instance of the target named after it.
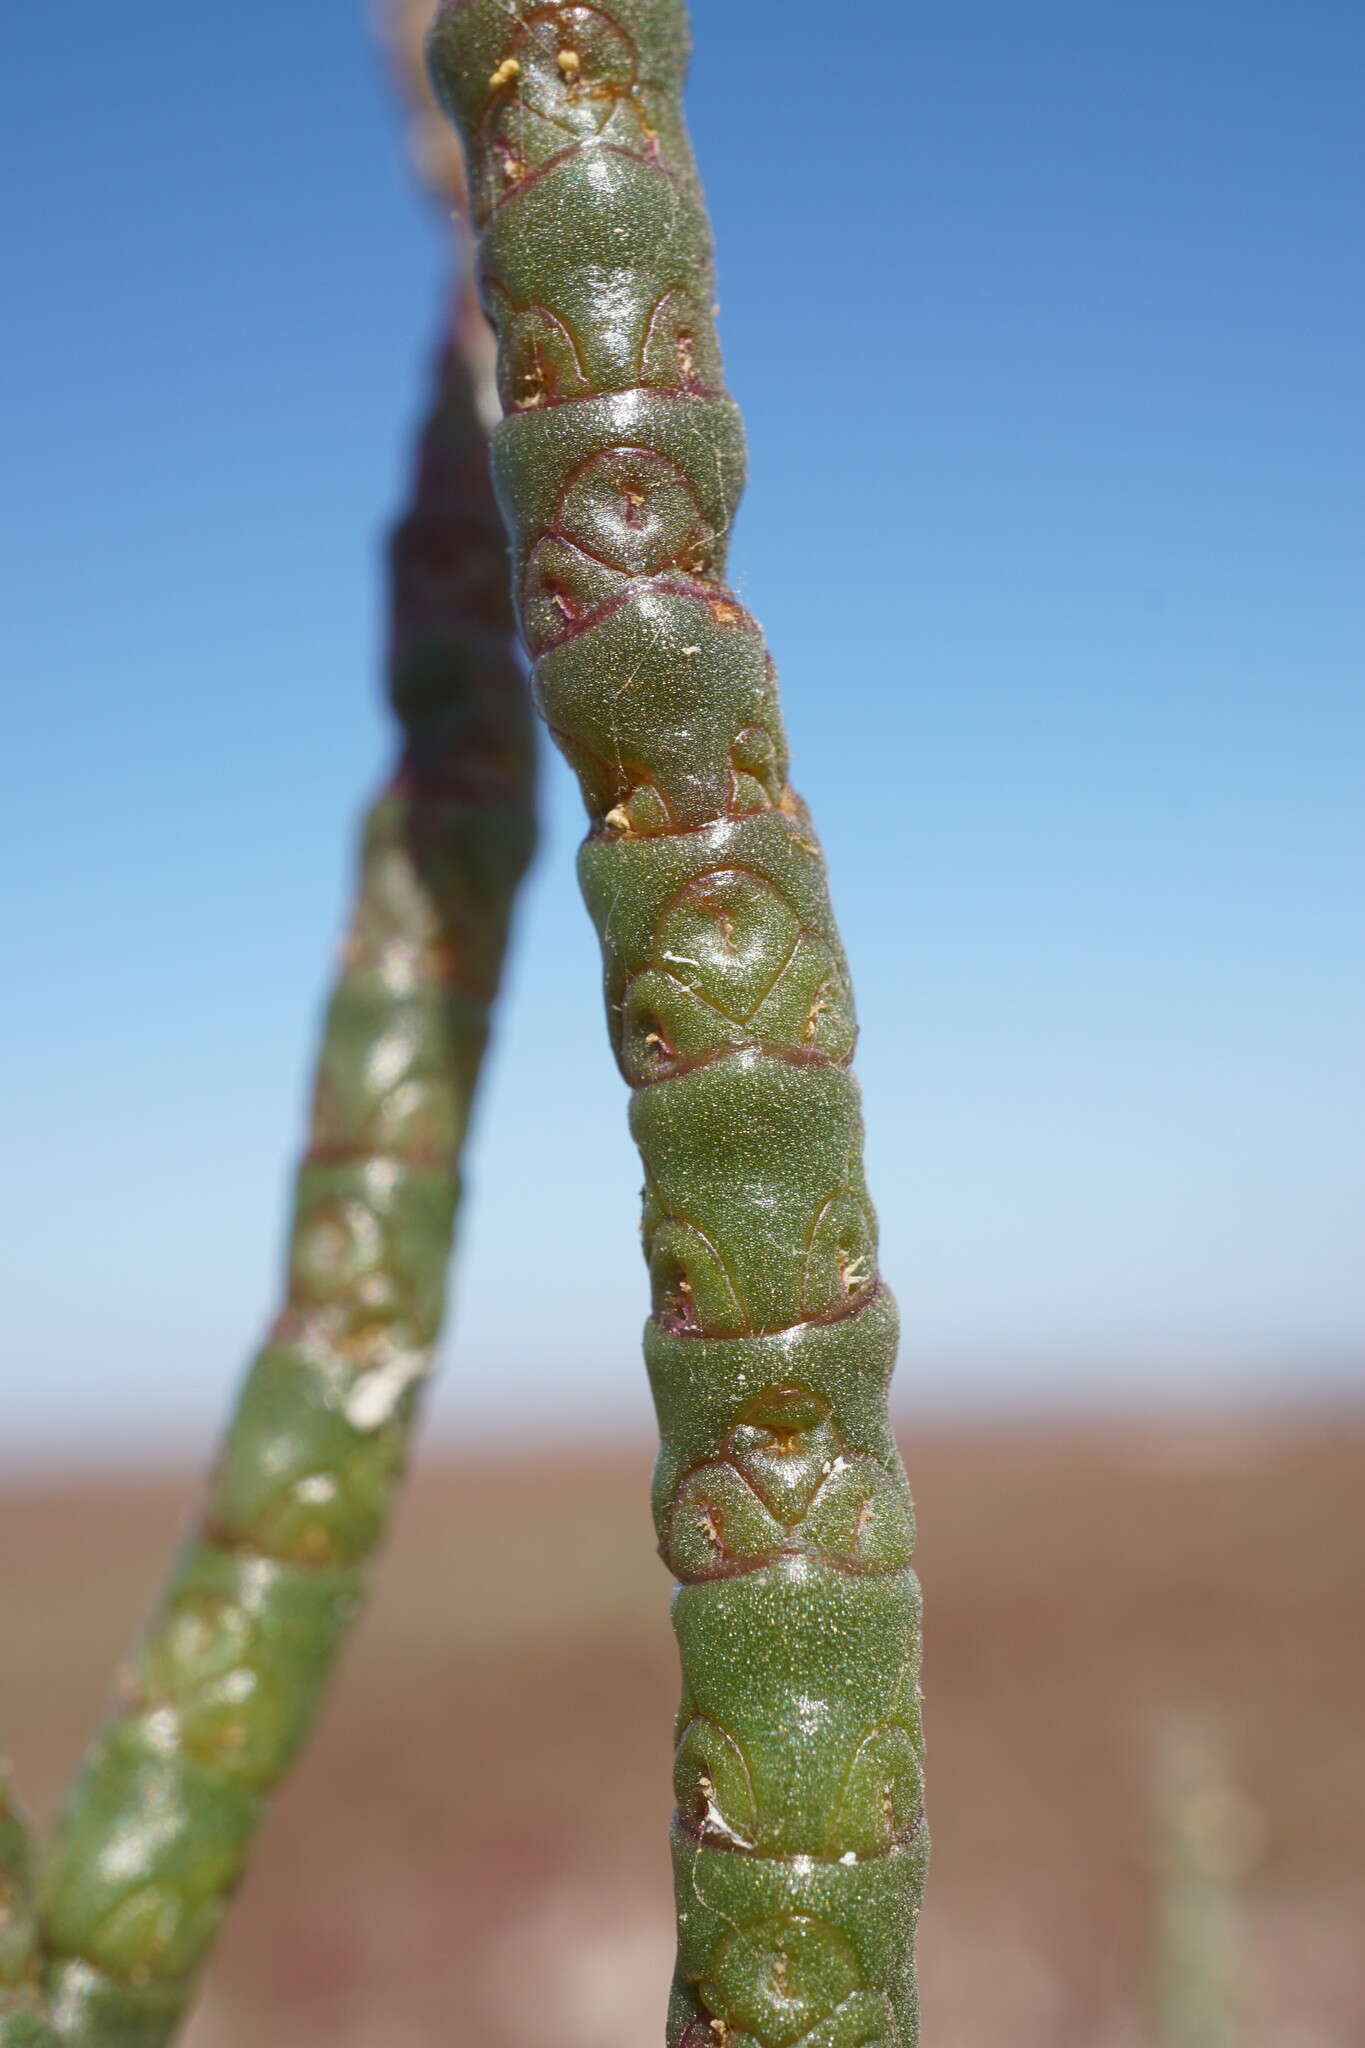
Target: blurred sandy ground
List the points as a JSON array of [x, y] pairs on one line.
[[473, 1850]]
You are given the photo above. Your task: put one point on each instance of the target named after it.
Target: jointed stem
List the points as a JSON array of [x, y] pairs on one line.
[[781, 1506], [223, 1689]]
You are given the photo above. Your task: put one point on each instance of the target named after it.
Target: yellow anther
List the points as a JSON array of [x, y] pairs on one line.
[[505, 73]]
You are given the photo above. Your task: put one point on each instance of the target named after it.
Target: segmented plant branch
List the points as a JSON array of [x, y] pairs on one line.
[[781, 1504], [20, 1990], [222, 1691]]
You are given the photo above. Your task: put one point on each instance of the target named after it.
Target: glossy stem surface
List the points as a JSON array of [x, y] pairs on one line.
[[781, 1505], [220, 1694]]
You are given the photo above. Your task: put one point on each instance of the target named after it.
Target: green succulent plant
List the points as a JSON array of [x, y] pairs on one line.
[[222, 1691], [781, 1506]]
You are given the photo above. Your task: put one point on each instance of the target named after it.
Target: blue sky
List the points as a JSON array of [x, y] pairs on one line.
[[1048, 327]]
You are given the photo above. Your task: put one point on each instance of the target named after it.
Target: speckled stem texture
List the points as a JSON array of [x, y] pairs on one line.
[[781, 1505], [222, 1691]]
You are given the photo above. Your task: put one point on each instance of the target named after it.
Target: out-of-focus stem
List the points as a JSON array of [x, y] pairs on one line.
[[217, 1699], [1208, 1835], [20, 2023], [403, 26]]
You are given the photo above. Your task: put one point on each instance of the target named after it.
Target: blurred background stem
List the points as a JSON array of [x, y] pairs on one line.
[[1208, 1836], [221, 1693]]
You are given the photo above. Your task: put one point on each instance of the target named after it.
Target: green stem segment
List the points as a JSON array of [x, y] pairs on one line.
[[20, 1993], [224, 1687], [781, 1505]]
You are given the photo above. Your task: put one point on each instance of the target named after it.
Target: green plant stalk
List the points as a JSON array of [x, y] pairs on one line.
[[20, 1995], [223, 1689], [781, 1505], [1208, 1837]]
